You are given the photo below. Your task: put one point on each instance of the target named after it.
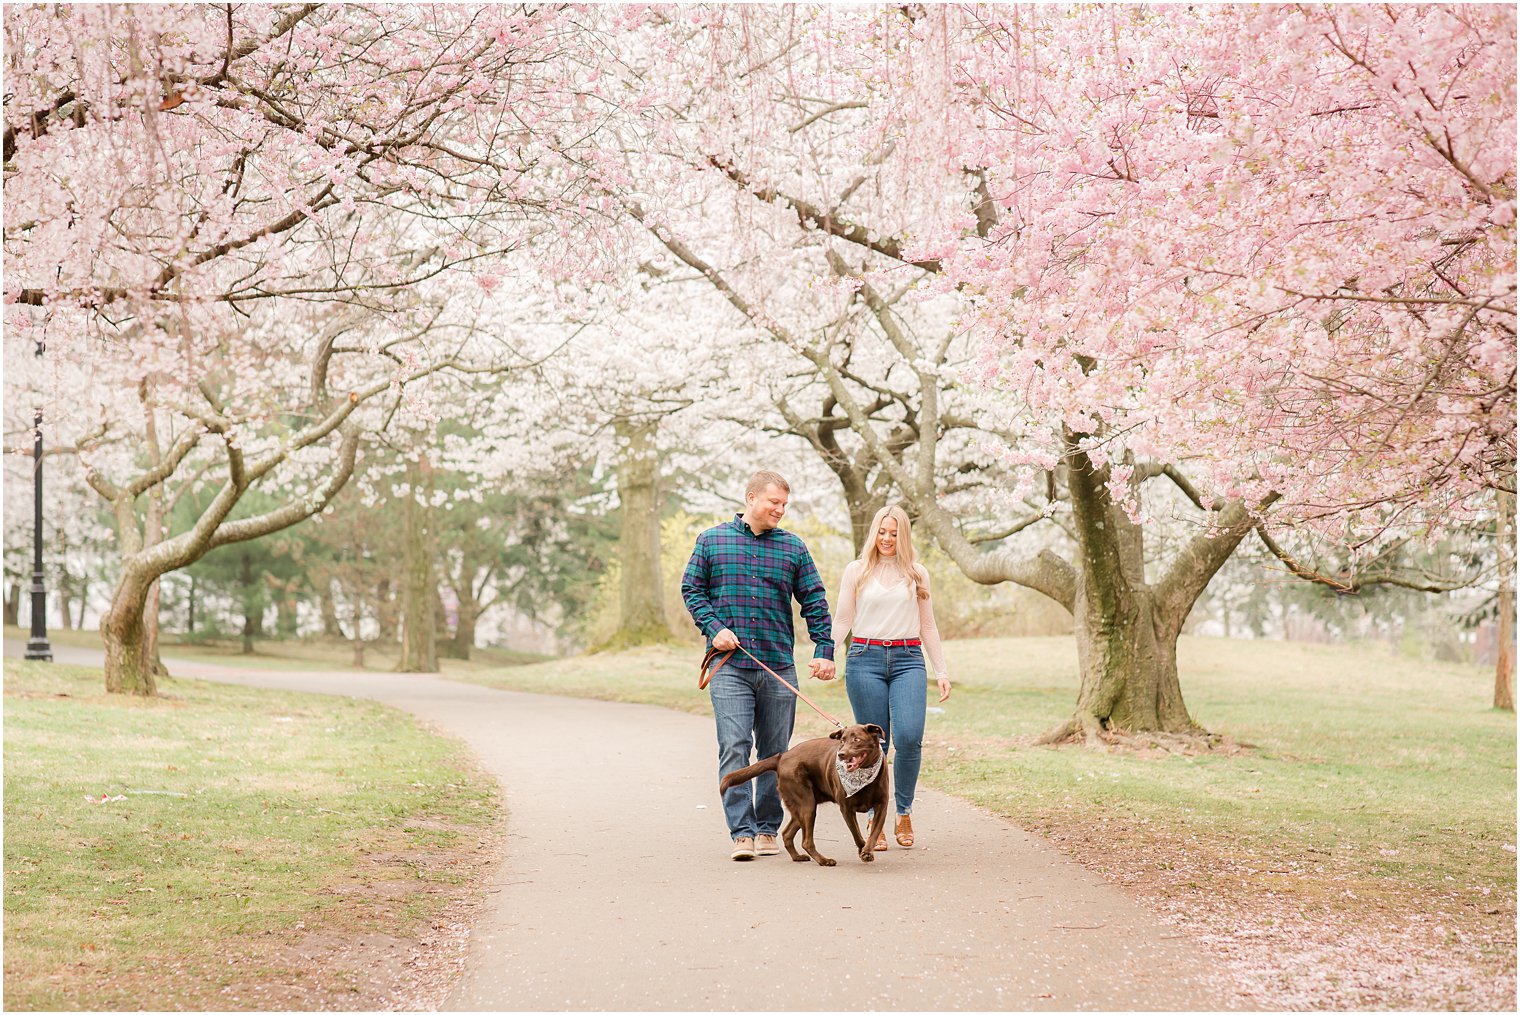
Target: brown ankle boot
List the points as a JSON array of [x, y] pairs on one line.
[[904, 830]]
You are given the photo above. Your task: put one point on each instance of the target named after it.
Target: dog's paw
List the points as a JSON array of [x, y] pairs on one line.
[[804, 858], [826, 862], [868, 856]]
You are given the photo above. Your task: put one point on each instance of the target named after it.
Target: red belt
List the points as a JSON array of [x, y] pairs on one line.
[[898, 643]]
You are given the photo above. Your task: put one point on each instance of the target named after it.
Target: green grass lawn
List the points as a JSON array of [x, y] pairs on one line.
[[248, 821], [1382, 769], [1357, 789]]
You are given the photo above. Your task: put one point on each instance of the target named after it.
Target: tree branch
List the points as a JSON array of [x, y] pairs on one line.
[[1197, 563], [1353, 585], [295, 511], [811, 216]]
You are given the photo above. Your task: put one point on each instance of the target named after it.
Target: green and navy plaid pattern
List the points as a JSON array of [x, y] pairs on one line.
[[745, 582]]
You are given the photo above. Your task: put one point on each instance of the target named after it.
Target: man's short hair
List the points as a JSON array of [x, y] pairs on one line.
[[764, 478]]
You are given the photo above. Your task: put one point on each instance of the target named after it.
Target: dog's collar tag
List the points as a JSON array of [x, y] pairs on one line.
[[859, 779]]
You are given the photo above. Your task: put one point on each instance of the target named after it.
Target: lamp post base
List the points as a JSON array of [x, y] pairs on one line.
[[39, 649]]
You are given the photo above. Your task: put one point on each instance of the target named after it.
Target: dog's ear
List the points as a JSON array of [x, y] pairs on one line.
[[876, 731], [837, 735]]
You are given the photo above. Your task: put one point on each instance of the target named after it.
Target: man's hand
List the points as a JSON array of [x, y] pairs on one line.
[[725, 641], [822, 669]]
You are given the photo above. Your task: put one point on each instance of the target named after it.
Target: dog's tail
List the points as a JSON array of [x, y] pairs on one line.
[[733, 779]]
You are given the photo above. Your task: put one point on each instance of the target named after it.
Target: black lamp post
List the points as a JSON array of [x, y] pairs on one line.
[[37, 646]]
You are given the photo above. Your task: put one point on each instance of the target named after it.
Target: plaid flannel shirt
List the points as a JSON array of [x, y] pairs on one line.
[[745, 582]]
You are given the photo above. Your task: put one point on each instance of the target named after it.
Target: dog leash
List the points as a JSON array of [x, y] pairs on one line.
[[710, 669]]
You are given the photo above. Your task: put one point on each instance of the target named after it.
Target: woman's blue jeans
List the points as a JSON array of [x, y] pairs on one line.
[[888, 686], [752, 709]]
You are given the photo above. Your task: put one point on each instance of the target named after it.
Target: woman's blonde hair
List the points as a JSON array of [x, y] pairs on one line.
[[904, 560]]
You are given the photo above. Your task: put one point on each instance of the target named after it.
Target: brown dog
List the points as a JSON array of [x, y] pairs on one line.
[[807, 776]]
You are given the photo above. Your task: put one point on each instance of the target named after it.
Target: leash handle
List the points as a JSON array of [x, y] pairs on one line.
[[710, 669]]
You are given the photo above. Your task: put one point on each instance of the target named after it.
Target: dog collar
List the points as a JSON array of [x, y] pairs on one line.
[[859, 779]]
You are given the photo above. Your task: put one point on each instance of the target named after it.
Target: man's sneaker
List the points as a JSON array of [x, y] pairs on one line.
[[744, 849], [765, 845]]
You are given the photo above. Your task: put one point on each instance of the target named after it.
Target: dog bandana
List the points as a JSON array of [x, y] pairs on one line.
[[857, 780]]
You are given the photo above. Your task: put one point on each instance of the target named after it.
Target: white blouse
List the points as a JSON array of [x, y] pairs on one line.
[[888, 612]]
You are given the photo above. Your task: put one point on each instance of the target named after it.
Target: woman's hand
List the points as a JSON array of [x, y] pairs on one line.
[[944, 688]]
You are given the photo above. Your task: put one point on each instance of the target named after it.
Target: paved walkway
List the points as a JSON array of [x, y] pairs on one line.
[[617, 893]]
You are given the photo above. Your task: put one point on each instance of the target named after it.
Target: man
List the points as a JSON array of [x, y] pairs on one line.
[[738, 588]]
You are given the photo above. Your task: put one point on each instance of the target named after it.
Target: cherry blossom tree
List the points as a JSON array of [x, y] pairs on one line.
[[1263, 255], [1274, 245], [235, 228]]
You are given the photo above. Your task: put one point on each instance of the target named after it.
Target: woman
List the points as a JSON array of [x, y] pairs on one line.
[[884, 605]]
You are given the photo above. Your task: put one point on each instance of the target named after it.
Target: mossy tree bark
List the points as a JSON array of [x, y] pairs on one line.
[[419, 623], [1126, 627], [123, 633], [641, 592]]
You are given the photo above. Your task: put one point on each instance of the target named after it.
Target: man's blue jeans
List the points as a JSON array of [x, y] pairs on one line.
[[888, 686], [752, 709]]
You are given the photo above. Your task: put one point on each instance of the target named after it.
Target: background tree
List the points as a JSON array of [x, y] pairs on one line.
[[348, 567]]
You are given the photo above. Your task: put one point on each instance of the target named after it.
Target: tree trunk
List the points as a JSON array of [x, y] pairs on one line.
[[1128, 664], [1504, 669], [446, 639], [641, 613], [462, 641], [419, 649], [1127, 628], [357, 603], [863, 506], [249, 606], [123, 629], [13, 603], [1126, 639], [862, 478], [329, 610], [124, 635], [386, 611], [150, 630], [285, 614]]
